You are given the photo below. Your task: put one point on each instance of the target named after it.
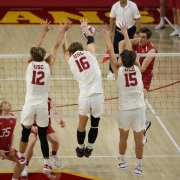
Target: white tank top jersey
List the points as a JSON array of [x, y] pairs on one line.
[[85, 68], [130, 88], [38, 77]]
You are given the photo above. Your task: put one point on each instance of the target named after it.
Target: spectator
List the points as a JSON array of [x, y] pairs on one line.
[[175, 5], [161, 24]]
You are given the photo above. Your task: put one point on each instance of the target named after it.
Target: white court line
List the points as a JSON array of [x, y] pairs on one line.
[[151, 156], [163, 126]]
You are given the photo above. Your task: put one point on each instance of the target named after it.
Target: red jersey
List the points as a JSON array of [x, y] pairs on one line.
[[145, 49], [6, 132], [49, 108]]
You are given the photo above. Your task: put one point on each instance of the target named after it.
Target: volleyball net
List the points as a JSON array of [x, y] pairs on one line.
[[163, 96]]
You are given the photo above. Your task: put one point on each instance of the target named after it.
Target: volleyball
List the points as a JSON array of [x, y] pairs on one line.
[[91, 29]]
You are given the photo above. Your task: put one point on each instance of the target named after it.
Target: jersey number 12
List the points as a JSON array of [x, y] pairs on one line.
[[38, 77]]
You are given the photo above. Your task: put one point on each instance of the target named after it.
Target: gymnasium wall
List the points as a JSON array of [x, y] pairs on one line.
[[72, 3], [96, 11]]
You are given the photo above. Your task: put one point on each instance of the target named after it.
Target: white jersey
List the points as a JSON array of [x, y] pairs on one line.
[[85, 69], [37, 84], [126, 14], [130, 88]]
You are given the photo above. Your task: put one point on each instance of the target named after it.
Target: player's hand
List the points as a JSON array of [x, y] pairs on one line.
[[124, 28], [136, 35], [62, 123], [84, 22], [11, 151], [45, 26], [64, 27], [104, 31], [3, 154]]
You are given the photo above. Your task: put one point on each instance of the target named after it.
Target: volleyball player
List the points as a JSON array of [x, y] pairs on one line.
[[38, 74], [143, 45], [7, 125], [51, 136], [85, 68], [131, 111]]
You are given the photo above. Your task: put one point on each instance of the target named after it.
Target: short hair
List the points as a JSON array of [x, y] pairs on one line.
[[128, 58], [147, 31], [76, 46], [37, 53]]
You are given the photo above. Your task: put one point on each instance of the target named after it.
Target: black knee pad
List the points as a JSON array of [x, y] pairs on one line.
[[42, 133], [25, 134], [94, 122]]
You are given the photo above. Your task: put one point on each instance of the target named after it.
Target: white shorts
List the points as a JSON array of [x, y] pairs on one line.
[[92, 105], [40, 115], [135, 118]]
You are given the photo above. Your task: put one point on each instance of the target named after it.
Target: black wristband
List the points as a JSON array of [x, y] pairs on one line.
[[137, 32], [90, 39]]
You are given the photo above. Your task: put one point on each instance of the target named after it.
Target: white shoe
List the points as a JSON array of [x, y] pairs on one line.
[[47, 170], [57, 161], [175, 33], [111, 75], [21, 158], [122, 164], [138, 171], [160, 26], [25, 172]]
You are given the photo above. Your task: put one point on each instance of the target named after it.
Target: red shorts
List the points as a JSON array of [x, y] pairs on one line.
[[173, 4], [146, 82], [49, 130]]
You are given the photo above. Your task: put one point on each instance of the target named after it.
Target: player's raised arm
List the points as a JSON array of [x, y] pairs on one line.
[[62, 30], [45, 28], [65, 48], [124, 32], [113, 60], [90, 39]]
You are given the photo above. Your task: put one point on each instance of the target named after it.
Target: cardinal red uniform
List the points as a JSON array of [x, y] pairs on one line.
[[147, 74], [7, 126]]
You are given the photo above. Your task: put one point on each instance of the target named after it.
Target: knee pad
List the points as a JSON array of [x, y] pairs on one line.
[[25, 134], [94, 122], [42, 133]]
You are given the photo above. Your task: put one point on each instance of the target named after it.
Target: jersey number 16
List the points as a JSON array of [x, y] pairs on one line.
[[82, 64]]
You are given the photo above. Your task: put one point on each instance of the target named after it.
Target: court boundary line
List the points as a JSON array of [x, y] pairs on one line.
[[150, 156], [163, 126]]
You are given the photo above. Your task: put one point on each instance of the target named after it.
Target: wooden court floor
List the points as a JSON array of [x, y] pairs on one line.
[[162, 151]]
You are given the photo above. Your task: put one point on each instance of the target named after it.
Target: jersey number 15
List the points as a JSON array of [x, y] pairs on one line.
[[131, 79]]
